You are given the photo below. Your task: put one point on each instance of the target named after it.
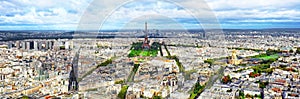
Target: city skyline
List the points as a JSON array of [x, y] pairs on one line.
[[149, 49]]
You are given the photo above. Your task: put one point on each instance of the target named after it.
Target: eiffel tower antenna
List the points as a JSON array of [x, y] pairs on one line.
[[146, 31]]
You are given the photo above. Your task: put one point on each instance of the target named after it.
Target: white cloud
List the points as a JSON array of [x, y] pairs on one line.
[[55, 12], [252, 4], [266, 11], [41, 12], [60, 16], [259, 16], [153, 11]]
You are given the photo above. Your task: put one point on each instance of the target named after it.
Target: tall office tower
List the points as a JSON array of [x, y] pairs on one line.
[[10, 45], [50, 45], [31, 45], [23, 43], [35, 45], [71, 44], [27, 45], [40, 45], [46, 45], [67, 45], [17, 44]]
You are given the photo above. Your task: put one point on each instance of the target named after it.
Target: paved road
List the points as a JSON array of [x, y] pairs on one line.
[[73, 77], [214, 78]]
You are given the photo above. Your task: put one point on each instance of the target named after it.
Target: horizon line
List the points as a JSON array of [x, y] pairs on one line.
[[149, 29]]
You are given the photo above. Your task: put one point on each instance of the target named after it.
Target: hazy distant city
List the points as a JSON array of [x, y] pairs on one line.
[[174, 64]]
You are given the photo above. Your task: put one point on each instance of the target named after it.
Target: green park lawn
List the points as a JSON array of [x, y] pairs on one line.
[[134, 53], [149, 53], [275, 56], [136, 50]]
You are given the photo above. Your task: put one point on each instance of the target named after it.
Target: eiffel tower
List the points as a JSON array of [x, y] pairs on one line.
[[146, 45]]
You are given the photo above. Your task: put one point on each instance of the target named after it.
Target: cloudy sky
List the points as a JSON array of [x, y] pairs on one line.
[[171, 14]]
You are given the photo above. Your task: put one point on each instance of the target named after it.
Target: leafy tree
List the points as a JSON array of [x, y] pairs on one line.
[[25, 97], [263, 84], [109, 61], [120, 82], [270, 51], [209, 61], [248, 96], [157, 97], [291, 51], [226, 79], [230, 90], [122, 93], [197, 88], [241, 93], [298, 50], [295, 59]]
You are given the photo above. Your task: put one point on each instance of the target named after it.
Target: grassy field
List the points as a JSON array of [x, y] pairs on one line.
[[134, 53], [275, 56], [264, 66], [136, 50]]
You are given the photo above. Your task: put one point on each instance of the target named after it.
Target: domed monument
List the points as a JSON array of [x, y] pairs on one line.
[[234, 60]]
